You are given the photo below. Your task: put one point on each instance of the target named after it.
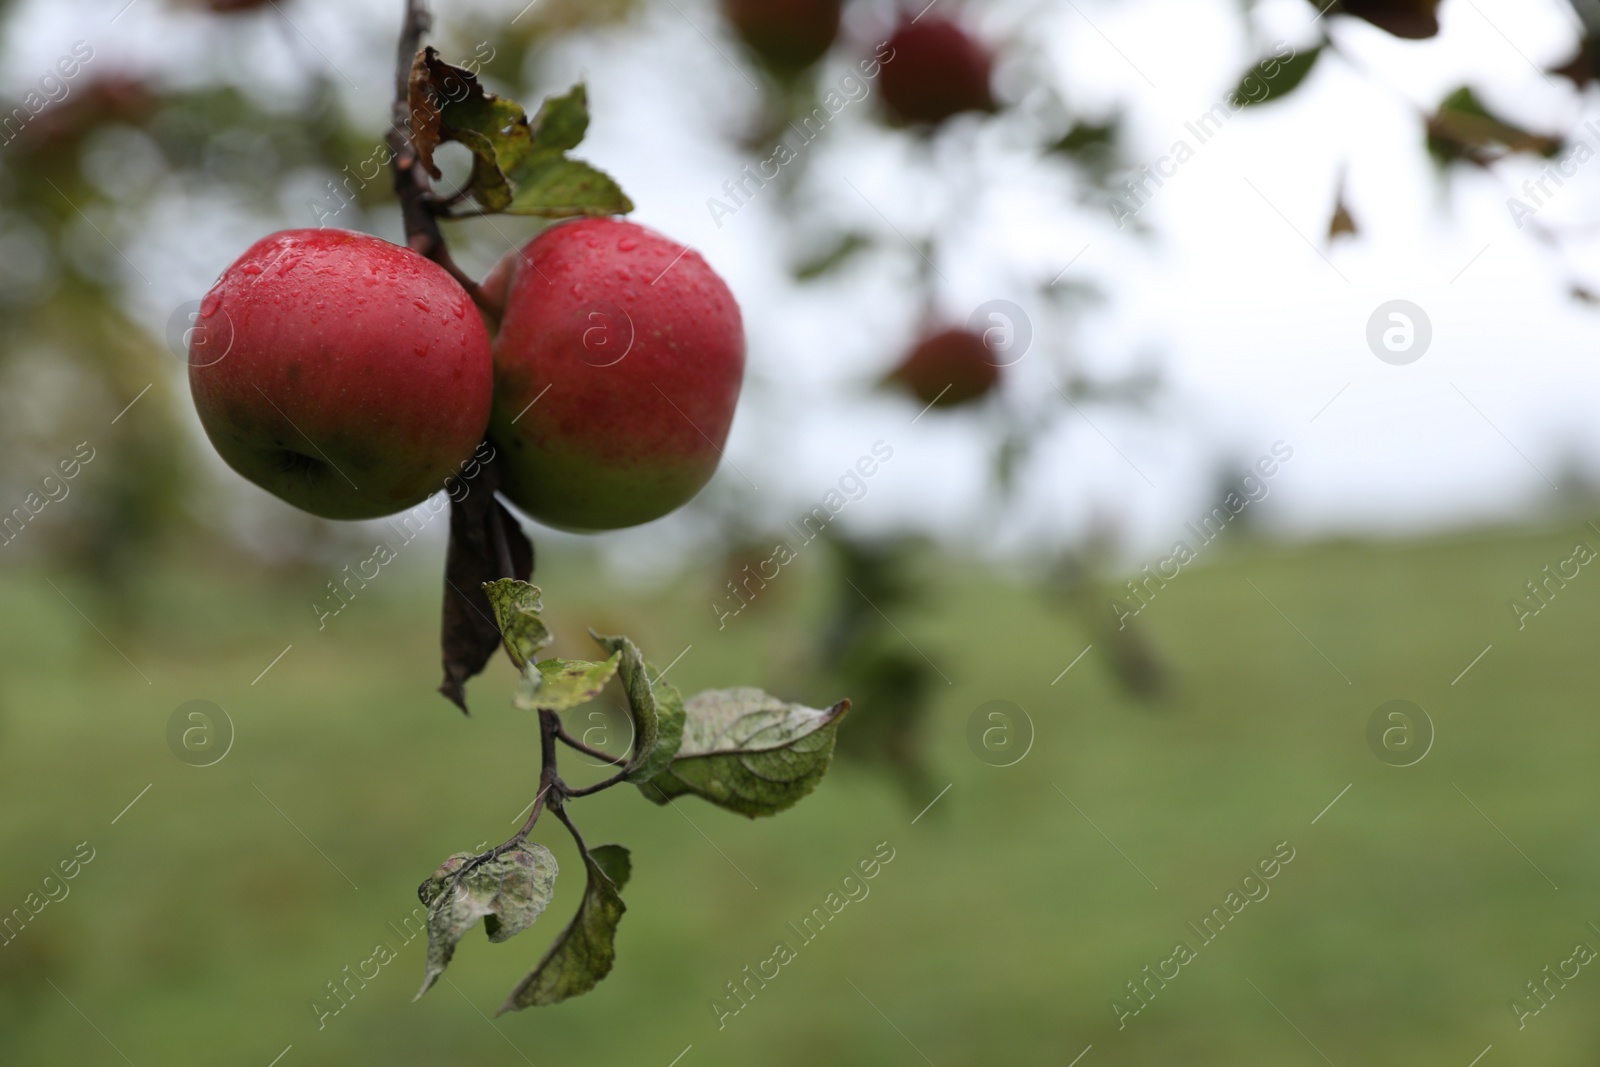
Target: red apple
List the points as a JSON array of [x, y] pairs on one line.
[[936, 70], [948, 368], [344, 374], [788, 35], [617, 369]]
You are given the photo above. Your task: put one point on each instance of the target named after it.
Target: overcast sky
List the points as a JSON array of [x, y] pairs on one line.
[[1257, 326]]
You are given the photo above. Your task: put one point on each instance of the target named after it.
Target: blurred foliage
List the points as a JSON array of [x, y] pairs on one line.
[[861, 653], [1464, 129], [1082, 582]]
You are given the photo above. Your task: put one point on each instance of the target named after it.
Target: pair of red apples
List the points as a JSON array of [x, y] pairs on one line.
[[352, 377]]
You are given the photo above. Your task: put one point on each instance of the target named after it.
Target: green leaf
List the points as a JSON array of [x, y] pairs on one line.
[[833, 258], [507, 892], [1464, 129], [657, 711], [519, 167], [615, 861], [516, 609], [670, 710], [1271, 79], [749, 752], [566, 683], [584, 952], [1086, 137]]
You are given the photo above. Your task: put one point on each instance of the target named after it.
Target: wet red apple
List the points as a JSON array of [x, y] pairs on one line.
[[344, 374], [617, 369], [938, 70]]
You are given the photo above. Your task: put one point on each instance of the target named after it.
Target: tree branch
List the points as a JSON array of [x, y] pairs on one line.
[[549, 728], [616, 779], [573, 742], [419, 208]]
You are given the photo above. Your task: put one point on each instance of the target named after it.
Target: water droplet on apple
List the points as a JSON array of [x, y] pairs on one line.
[[627, 245], [421, 305], [209, 306], [251, 268]]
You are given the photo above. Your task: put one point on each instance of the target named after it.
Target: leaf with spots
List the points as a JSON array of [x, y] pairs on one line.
[[566, 683], [508, 892], [657, 711], [586, 949], [749, 752]]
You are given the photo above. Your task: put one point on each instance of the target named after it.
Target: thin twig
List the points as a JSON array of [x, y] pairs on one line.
[[616, 779], [573, 742], [571, 829], [418, 204]]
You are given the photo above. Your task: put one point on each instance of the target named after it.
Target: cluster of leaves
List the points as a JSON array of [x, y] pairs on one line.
[[1462, 129], [740, 749], [519, 166]]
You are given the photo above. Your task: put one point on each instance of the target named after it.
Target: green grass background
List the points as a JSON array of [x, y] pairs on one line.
[[206, 923]]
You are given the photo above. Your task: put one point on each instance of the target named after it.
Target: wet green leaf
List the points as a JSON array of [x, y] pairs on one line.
[[517, 608], [749, 752], [566, 683], [507, 892], [586, 949], [833, 258]]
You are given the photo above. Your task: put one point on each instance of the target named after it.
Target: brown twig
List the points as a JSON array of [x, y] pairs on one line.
[[419, 207], [573, 742]]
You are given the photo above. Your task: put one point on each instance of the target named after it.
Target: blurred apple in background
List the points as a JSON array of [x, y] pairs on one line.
[[787, 35], [948, 368], [937, 70]]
